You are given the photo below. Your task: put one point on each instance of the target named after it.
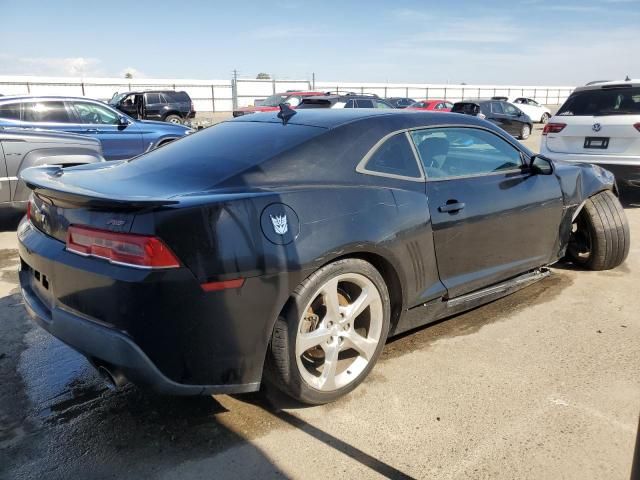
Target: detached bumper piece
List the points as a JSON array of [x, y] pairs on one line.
[[106, 345]]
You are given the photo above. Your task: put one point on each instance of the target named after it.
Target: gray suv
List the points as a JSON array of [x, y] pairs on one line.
[[20, 149]]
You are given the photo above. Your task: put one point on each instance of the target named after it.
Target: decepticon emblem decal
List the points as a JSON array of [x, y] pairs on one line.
[[279, 224], [596, 127]]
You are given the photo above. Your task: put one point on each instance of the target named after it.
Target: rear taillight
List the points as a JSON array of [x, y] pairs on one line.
[[637, 126], [141, 251], [553, 128]]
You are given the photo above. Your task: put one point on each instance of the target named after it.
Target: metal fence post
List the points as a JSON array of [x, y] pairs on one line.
[[82, 85], [234, 90], [273, 86], [406, 91], [213, 99]]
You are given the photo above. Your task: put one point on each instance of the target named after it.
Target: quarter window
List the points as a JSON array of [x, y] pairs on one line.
[[10, 111], [394, 157], [496, 107], [50, 112], [360, 103], [95, 114], [462, 152], [153, 98]]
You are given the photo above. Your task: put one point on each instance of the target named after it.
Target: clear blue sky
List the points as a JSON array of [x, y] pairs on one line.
[[491, 41]]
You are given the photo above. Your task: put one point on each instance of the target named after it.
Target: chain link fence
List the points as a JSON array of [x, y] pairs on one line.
[[227, 95]]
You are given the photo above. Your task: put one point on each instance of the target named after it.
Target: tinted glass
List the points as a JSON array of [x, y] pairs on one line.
[[496, 107], [95, 114], [457, 152], [395, 156], [360, 103], [222, 150], [510, 109], [152, 98], [380, 104], [177, 97], [273, 100], [468, 108], [615, 101], [10, 111], [350, 104], [53, 112]]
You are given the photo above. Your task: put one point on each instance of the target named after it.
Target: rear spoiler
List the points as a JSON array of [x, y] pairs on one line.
[[47, 182]]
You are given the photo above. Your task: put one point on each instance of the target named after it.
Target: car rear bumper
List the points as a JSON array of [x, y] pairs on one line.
[[158, 328], [625, 168]]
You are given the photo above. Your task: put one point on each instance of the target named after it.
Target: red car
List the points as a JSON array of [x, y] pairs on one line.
[[435, 105], [269, 104]]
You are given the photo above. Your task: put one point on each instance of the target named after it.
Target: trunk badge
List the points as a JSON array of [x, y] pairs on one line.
[[596, 127]]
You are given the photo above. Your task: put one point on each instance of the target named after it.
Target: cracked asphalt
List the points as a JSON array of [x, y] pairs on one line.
[[541, 384]]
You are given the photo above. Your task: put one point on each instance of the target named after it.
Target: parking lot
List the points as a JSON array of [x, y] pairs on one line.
[[540, 384]]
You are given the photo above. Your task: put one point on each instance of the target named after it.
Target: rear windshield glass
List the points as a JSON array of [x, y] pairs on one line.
[[615, 101], [223, 150], [468, 108]]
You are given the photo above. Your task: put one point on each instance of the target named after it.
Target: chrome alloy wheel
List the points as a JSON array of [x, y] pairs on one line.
[[339, 332]]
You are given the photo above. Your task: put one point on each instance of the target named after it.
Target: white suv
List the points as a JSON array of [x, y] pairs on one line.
[[599, 124]]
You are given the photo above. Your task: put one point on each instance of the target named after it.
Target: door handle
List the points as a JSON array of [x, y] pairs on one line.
[[91, 130], [451, 206]]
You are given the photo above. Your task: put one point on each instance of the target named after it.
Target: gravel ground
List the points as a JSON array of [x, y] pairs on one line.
[[541, 384]]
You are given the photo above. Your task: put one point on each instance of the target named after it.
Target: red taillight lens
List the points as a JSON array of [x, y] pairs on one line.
[[553, 128], [121, 248], [637, 126]]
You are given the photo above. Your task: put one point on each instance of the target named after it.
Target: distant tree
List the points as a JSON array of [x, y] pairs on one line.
[[263, 76], [128, 75]]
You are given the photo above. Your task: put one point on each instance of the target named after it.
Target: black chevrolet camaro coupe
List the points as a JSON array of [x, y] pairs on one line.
[[287, 247]]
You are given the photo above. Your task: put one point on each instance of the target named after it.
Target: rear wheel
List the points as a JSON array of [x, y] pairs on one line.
[[600, 236], [331, 334], [173, 119], [545, 118], [525, 131]]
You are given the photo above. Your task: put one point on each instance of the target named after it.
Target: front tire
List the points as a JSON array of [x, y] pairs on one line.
[[600, 237], [331, 333], [525, 131], [545, 118]]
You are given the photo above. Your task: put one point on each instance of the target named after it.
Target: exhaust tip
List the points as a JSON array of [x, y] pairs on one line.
[[114, 378]]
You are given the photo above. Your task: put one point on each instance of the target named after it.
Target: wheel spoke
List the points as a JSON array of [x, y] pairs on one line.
[[327, 379], [360, 344], [312, 339], [359, 305], [330, 298]]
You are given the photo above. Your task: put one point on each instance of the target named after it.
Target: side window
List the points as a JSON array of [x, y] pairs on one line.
[[361, 103], [380, 104], [462, 152], [152, 98], [496, 107], [448, 105], [50, 112], [95, 114], [510, 109], [10, 111], [350, 104], [394, 157]]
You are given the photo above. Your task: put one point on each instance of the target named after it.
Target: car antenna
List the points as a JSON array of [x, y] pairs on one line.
[[285, 113], [627, 79]]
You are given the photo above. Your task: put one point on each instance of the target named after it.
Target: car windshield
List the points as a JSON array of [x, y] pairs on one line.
[[614, 101], [274, 100]]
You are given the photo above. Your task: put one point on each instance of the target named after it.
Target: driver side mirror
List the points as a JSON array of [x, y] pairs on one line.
[[123, 121], [540, 165]]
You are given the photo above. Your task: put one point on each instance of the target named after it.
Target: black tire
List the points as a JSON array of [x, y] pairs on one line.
[[282, 368], [545, 118], [525, 131], [601, 238], [173, 119]]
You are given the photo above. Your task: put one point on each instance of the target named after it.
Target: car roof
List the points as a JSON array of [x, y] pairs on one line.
[[151, 91], [9, 98], [478, 100], [609, 85], [331, 118]]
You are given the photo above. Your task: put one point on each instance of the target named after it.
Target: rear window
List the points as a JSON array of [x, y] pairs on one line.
[[177, 97], [467, 108], [614, 101], [221, 151]]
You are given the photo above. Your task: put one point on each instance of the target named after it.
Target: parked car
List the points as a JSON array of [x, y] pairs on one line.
[[345, 100], [535, 111], [599, 124], [22, 148], [288, 246], [164, 105], [122, 137], [435, 105], [502, 113], [270, 104], [400, 102]]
